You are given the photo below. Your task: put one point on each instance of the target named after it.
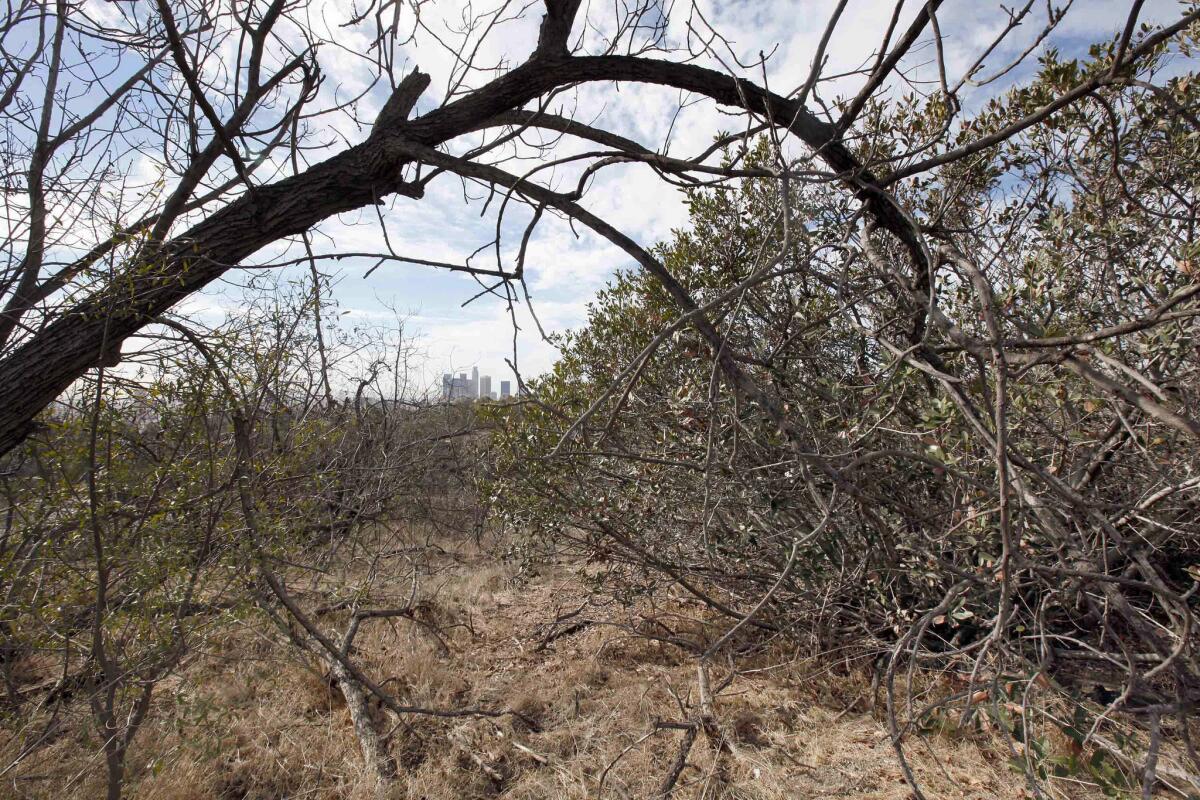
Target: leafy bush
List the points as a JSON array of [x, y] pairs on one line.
[[989, 468]]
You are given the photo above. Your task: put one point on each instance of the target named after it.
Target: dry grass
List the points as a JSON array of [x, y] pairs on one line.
[[246, 719]]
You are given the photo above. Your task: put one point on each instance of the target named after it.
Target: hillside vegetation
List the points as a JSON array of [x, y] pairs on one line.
[[880, 477]]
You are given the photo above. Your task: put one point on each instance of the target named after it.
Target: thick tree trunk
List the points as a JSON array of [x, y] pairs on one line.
[[91, 332]]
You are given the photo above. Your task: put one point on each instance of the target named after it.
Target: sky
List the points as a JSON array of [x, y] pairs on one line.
[[566, 266]]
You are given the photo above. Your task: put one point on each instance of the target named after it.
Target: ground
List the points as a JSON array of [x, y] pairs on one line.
[[247, 718]]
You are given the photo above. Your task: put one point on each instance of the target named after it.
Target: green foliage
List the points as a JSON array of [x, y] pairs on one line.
[[1065, 263]]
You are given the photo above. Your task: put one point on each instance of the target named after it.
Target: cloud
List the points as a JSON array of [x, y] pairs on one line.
[[567, 264]]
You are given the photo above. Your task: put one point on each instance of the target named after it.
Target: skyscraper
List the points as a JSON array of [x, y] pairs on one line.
[[454, 388], [472, 387]]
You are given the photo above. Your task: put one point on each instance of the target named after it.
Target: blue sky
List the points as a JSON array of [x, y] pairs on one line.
[[564, 270]]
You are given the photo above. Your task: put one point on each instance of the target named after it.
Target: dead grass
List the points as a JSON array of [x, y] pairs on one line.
[[246, 720]]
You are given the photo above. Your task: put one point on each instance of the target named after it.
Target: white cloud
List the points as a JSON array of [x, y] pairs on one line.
[[566, 269]]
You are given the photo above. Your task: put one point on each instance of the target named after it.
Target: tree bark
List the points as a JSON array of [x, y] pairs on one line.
[[379, 763], [91, 332]]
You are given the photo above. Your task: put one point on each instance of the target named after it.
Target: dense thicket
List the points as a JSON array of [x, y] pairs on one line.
[[260, 473], [997, 476], [918, 382]]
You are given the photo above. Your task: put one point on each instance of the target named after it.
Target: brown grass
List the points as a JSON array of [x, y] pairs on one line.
[[246, 719]]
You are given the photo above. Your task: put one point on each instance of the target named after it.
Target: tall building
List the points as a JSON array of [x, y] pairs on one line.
[[455, 388], [472, 387]]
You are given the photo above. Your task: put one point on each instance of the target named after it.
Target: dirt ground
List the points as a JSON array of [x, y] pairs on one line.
[[246, 718]]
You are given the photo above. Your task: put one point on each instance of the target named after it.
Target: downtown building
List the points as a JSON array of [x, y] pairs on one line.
[[472, 387]]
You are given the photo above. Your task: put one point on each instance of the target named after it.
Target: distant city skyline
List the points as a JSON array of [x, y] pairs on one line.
[[473, 387]]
